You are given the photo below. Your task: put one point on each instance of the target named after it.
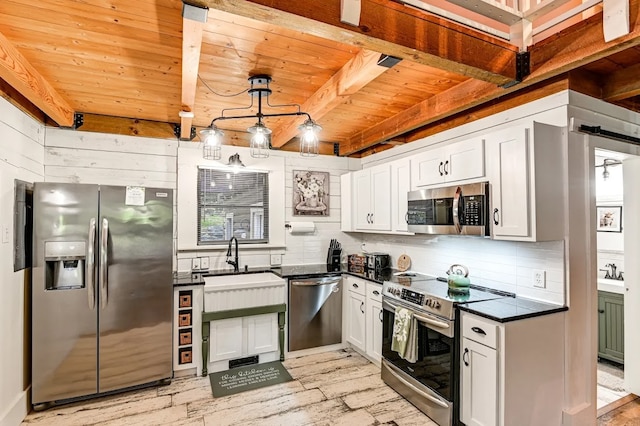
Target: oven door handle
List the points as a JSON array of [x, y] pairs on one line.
[[392, 370], [433, 322]]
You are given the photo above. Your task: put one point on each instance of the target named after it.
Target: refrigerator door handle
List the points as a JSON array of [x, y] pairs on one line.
[[104, 238], [90, 272]]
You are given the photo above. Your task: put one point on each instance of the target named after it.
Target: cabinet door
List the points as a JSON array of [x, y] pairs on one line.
[[427, 168], [400, 185], [362, 199], [226, 339], [479, 387], [356, 320], [262, 333], [464, 160], [381, 197], [611, 326], [508, 170], [374, 329]]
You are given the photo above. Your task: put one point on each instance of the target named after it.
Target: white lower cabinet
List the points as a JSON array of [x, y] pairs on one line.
[[356, 313], [364, 316], [373, 324], [479, 375], [512, 373], [240, 337]]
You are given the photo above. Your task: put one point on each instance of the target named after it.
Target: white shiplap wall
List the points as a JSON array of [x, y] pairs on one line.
[[21, 157], [75, 156]]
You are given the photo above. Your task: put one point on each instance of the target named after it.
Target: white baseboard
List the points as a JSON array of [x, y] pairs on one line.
[[17, 410]]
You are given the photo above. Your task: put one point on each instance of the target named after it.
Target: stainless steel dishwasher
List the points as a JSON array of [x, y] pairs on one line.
[[315, 312]]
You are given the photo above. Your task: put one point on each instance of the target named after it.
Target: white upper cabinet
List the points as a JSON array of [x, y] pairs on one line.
[[371, 192], [400, 186], [526, 173], [456, 162]]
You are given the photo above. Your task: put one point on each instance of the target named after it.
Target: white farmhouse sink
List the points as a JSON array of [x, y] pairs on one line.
[[612, 286], [239, 291]]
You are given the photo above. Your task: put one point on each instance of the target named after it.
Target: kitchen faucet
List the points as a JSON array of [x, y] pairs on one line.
[[233, 262]]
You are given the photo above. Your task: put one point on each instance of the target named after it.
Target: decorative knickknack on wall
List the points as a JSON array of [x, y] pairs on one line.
[[310, 193]]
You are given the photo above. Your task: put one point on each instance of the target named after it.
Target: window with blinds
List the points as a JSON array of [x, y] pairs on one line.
[[233, 204]]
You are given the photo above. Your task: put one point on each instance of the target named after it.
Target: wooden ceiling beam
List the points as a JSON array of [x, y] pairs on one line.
[[357, 73], [389, 27], [23, 77], [622, 84], [567, 50], [193, 20]]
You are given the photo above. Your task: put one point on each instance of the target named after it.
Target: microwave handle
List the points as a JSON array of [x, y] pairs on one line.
[[456, 210]]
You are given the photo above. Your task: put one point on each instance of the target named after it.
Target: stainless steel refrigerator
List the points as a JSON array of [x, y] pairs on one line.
[[101, 290]]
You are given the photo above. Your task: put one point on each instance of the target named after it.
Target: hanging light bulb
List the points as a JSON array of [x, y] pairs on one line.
[[212, 142], [309, 140], [260, 141], [605, 173]]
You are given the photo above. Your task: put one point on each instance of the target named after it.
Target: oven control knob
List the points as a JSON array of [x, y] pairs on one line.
[[432, 303]]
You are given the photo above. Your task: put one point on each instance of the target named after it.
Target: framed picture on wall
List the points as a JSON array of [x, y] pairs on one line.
[[310, 193], [609, 218]]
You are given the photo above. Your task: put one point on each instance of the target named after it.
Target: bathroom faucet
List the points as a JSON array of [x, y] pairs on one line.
[[612, 275], [235, 261]]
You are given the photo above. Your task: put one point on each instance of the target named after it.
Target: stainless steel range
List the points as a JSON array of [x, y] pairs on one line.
[[431, 382]]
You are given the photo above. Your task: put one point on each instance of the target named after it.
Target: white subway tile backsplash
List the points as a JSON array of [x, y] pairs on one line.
[[502, 265]]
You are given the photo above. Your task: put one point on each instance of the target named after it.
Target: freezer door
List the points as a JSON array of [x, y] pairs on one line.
[[135, 288], [64, 317]]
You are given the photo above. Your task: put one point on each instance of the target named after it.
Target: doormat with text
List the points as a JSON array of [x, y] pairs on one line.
[[248, 377]]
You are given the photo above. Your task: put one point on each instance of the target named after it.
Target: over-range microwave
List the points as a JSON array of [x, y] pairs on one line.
[[458, 210]]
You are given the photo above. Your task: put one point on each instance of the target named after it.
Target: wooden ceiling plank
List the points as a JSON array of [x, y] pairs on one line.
[[356, 74], [567, 50], [393, 29], [21, 75], [192, 30], [622, 84]]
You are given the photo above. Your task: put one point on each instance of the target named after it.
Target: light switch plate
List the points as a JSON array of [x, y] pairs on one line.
[[276, 259], [195, 264], [204, 263]]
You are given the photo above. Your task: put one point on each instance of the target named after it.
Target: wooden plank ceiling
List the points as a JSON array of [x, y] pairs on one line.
[[123, 63]]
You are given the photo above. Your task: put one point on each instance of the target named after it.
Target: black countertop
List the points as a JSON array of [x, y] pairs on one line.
[[288, 271], [509, 309]]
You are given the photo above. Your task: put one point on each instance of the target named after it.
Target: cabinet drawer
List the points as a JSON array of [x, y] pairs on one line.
[[184, 299], [184, 337], [184, 318], [480, 330], [356, 286], [374, 291], [186, 355]]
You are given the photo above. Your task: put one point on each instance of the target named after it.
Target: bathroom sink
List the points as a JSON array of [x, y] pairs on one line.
[[612, 286]]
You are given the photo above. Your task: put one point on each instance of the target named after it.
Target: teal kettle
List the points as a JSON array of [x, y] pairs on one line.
[[458, 278]]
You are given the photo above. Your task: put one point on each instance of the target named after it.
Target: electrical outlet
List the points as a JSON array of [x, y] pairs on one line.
[[539, 278], [195, 264], [276, 259], [204, 263]]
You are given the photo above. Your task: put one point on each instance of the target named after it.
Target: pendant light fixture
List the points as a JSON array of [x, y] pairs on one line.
[[261, 134], [608, 162]]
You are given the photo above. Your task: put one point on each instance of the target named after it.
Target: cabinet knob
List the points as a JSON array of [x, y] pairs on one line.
[[376, 292], [601, 311], [354, 285], [496, 217]]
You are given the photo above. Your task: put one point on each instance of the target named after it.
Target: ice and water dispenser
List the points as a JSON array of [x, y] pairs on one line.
[[65, 262]]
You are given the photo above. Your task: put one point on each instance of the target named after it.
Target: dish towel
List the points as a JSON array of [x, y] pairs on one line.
[[405, 335]]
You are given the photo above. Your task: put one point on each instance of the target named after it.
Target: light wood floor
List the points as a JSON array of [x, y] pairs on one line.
[[333, 388]]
